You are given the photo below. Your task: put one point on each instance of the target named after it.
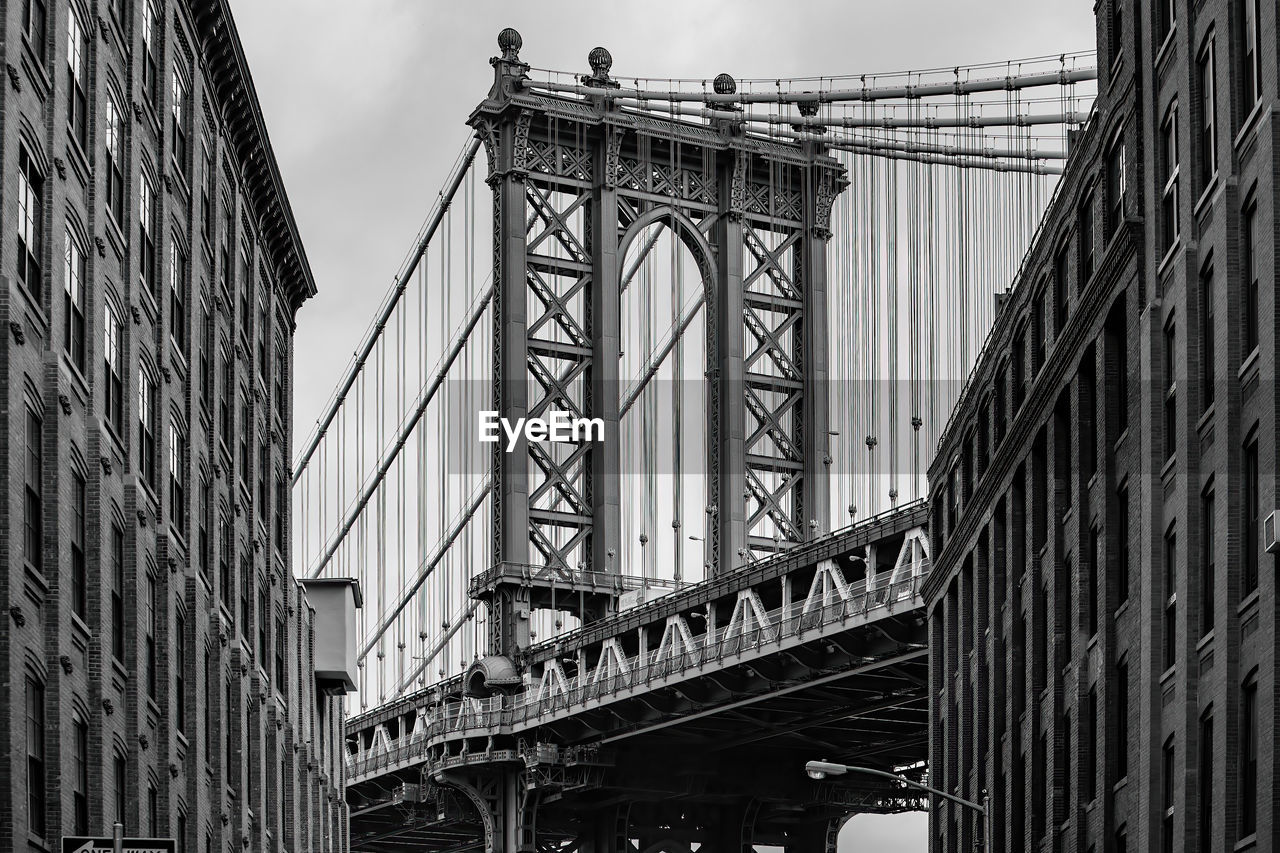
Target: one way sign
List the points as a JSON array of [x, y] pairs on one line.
[[106, 845]]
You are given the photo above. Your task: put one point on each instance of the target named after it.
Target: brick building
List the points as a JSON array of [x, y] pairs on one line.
[[156, 650], [1103, 607]]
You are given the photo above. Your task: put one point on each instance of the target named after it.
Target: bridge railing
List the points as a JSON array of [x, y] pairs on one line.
[[614, 673]]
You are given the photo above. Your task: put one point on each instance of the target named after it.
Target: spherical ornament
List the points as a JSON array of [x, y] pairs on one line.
[[725, 85], [510, 42], [601, 61], [808, 109]]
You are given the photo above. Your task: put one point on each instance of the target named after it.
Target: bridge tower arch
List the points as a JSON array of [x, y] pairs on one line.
[[574, 180]]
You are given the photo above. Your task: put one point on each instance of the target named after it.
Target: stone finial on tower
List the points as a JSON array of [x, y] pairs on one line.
[[510, 42], [601, 61]]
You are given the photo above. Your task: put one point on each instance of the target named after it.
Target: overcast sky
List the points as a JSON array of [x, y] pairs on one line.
[[366, 102]]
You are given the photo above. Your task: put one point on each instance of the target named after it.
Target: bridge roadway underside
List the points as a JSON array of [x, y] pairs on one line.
[[710, 761]]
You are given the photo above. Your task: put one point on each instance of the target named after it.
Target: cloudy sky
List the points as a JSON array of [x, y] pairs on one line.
[[366, 104]]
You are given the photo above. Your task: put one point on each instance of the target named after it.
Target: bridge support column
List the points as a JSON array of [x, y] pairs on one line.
[[506, 808], [822, 184], [608, 832], [727, 429]]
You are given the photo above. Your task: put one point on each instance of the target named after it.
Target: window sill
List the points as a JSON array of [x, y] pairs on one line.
[[1206, 196], [1248, 602], [1204, 642], [79, 160], [81, 628], [1166, 47], [1121, 610], [1167, 676], [1249, 365], [1166, 260], [1247, 843], [1115, 448], [1249, 124], [119, 667], [76, 376], [35, 69], [1206, 419], [35, 842], [1167, 471]]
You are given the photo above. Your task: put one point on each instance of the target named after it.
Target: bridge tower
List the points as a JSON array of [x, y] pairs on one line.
[[575, 179]]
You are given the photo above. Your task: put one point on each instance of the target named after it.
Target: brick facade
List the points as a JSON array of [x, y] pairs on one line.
[[1126, 455], [162, 284]]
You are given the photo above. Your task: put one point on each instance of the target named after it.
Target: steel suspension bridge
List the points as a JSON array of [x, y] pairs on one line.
[[767, 294]]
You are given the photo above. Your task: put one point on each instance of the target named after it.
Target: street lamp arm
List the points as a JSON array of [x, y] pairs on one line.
[[833, 769]]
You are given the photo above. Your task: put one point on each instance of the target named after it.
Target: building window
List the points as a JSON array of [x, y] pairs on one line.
[[206, 193], [150, 619], [35, 757], [204, 528], [33, 497], [1170, 391], [1252, 242], [179, 671], [153, 810], [244, 280], [228, 236], [115, 161], [230, 721], [1206, 782], [80, 777], [1252, 511], [1116, 31], [33, 22], [1208, 109], [1166, 17], [178, 121], [120, 773], [264, 466], [1091, 746], [246, 429], [281, 371], [1208, 375], [206, 359], [1250, 71], [1086, 240], [207, 709], [1167, 777], [224, 401], [226, 546], [178, 297], [1066, 763], [79, 571], [77, 80], [30, 223], [177, 477], [280, 671], [147, 234], [263, 660], [1122, 719], [150, 54], [1122, 545], [262, 338], [1095, 545], [1061, 291], [1170, 599], [116, 546], [1115, 184], [73, 292], [246, 586], [1208, 575], [1249, 757], [282, 496], [1169, 180], [113, 362], [147, 395]]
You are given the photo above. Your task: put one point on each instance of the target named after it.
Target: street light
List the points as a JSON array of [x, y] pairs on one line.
[[823, 769]]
